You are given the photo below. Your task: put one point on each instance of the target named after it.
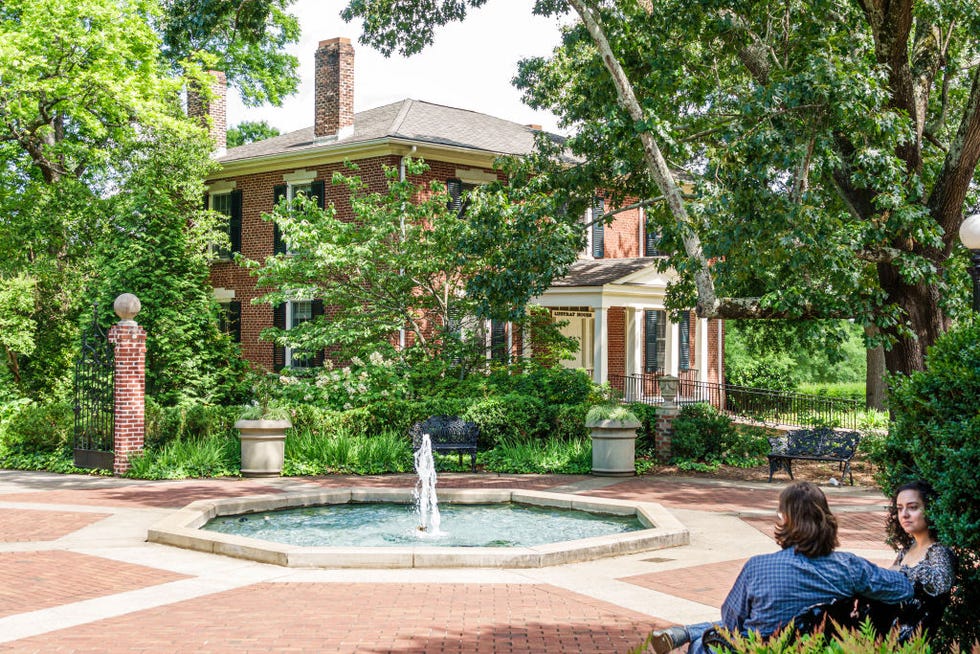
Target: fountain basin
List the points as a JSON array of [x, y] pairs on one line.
[[183, 529]]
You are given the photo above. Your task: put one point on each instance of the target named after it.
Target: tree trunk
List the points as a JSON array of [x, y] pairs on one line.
[[875, 389], [925, 319]]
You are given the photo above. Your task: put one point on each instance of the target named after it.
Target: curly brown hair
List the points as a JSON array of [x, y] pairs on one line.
[[807, 524], [897, 536]]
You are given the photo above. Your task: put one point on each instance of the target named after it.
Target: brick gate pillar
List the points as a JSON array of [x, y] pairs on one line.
[[130, 382], [666, 413]]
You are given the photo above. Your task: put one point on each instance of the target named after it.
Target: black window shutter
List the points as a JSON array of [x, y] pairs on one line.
[[278, 351], [317, 310], [207, 201], [650, 354], [278, 247], [235, 222], [652, 241], [685, 336], [455, 189], [318, 190], [598, 228], [235, 321], [498, 341]]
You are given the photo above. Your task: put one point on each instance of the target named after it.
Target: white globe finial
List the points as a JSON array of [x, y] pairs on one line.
[[127, 306]]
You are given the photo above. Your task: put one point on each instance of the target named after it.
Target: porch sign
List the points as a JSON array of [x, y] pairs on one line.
[[572, 314]]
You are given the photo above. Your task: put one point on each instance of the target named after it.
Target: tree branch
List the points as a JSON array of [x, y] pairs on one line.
[[959, 167], [656, 164]]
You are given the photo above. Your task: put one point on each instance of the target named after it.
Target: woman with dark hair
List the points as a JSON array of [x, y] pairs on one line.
[[774, 588], [930, 566], [920, 556]]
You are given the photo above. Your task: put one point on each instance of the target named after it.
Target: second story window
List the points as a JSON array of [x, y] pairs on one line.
[[230, 204], [457, 190], [651, 241], [291, 191]]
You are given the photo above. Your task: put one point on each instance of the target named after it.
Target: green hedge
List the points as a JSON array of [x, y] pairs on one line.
[[39, 428], [935, 436]]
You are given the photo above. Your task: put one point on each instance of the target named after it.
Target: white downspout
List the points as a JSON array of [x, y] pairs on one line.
[[401, 178]]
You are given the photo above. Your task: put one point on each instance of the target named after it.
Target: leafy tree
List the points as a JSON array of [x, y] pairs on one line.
[[16, 323], [827, 148], [244, 38], [163, 259], [409, 261], [78, 79], [249, 132], [86, 104]]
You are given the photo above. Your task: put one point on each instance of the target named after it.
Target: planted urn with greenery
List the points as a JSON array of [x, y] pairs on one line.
[[613, 431], [262, 431]]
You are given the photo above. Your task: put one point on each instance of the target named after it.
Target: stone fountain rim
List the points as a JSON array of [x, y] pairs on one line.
[[182, 528]]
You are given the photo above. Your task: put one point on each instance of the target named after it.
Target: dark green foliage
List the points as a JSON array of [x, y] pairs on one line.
[[187, 421], [568, 421], [935, 436], [39, 429], [701, 433], [249, 38], [554, 385], [217, 455], [507, 417], [646, 434]]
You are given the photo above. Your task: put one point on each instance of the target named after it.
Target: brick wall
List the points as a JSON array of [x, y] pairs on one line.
[[616, 341], [258, 198], [621, 238], [716, 372]]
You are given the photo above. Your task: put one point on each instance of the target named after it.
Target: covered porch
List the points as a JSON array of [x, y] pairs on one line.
[[615, 310]]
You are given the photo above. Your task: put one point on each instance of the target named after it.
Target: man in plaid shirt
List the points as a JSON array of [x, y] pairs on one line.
[[774, 588]]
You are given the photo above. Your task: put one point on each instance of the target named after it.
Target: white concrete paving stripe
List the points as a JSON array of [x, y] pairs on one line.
[[42, 621]]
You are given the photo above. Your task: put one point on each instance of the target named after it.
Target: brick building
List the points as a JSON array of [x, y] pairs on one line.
[[612, 297]]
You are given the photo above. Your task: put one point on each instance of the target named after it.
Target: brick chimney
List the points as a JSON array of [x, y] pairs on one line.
[[334, 80], [211, 112]]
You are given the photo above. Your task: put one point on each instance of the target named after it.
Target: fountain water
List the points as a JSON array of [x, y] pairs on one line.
[[426, 502]]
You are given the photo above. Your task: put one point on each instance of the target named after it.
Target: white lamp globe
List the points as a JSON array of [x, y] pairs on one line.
[[970, 232]]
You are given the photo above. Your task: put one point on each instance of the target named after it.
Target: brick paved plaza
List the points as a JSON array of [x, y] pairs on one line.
[[76, 574]]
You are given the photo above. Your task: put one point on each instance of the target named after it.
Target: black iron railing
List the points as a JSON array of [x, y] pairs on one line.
[[755, 404]]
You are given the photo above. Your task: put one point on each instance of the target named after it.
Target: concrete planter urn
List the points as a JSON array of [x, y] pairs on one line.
[[613, 444], [263, 445]]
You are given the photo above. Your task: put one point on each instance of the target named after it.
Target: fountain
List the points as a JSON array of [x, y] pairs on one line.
[[370, 528], [426, 502]]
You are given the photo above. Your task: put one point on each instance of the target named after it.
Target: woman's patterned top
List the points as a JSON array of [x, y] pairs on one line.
[[934, 572]]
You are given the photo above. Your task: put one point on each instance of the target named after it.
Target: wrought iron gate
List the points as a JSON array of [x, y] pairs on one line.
[[94, 399]]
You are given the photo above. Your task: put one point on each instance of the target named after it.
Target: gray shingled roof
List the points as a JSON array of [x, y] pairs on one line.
[[412, 120], [599, 272]]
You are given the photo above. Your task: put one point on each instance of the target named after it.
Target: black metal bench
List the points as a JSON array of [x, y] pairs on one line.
[[448, 434], [821, 444]]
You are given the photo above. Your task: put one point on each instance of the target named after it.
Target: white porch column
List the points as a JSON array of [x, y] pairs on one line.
[[600, 337], [702, 345], [634, 341], [673, 347]]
